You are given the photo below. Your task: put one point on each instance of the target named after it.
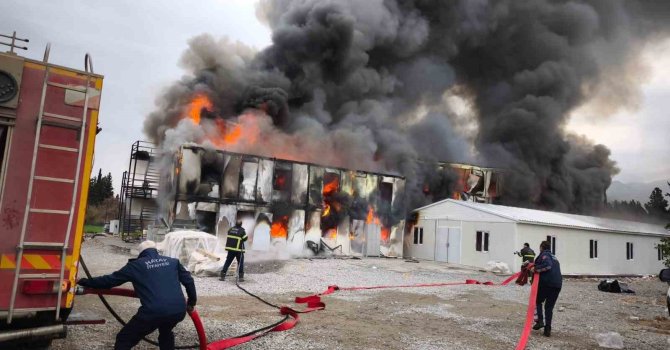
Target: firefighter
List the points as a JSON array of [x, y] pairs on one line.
[[156, 280], [549, 285], [235, 247], [527, 256]]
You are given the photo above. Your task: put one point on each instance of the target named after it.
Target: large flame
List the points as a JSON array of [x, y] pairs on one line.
[[372, 217], [279, 228], [326, 210], [385, 233], [197, 104]]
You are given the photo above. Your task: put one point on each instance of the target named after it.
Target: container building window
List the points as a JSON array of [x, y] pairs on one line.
[[593, 249], [482, 244]]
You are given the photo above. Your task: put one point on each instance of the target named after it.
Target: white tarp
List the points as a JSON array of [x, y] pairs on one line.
[[200, 252]]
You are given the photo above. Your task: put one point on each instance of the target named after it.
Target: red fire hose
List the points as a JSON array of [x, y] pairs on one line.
[[314, 303]]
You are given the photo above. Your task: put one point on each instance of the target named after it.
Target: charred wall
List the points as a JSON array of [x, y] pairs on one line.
[[285, 204]]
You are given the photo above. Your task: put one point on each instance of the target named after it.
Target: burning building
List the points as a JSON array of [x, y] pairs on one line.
[[283, 204], [396, 87]]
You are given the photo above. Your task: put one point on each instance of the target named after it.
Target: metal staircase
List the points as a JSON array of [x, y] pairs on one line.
[[139, 191]]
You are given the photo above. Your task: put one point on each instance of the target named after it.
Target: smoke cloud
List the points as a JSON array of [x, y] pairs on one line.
[[362, 84]]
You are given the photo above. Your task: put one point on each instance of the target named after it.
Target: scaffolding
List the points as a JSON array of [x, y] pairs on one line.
[[138, 204]]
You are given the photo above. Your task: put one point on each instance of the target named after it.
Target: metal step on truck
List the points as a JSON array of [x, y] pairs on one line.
[[48, 126]]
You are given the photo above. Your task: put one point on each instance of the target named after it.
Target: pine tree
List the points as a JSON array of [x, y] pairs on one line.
[[657, 206]]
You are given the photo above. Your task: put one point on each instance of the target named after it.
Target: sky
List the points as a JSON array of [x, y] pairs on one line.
[[136, 45]]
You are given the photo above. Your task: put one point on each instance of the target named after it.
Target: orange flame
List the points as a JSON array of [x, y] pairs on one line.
[[326, 210], [372, 217], [332, 233], [279, 228], [228, 133], [196, 106], [385, 234], [331, 187]]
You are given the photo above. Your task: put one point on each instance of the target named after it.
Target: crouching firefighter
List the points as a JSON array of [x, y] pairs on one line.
[[156, 280], [235, 248]]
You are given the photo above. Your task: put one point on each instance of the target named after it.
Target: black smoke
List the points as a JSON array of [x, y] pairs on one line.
[[374, 80]]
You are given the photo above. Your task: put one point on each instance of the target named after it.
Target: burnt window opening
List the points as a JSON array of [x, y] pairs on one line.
[[593, 249], [4, 129], [482, 243], [281, 179], [210, 173], [206, 221], [331, 184]]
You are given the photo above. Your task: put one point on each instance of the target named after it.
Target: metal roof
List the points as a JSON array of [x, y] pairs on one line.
[[548, 218]]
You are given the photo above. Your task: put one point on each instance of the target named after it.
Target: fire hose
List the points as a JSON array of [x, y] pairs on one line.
[[313, 303], [283, 324]]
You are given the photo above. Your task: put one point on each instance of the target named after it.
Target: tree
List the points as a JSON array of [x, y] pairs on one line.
[[100, 188], [657, 207], [665, 242]]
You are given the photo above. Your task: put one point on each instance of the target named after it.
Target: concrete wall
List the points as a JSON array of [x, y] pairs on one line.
[[572, 250]]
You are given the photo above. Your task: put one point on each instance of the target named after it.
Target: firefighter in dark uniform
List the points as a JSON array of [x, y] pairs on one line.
[[549, 285], [527, 256], [235, 247], [157, 281]]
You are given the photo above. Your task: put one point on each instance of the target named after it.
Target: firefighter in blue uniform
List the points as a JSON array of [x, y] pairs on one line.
[[157, 282], [549, 285], [235, 248]]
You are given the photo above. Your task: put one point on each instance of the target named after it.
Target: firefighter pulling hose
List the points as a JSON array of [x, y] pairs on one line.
[[156, 281]]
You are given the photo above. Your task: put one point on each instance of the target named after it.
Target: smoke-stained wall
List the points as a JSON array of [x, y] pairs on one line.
[[371, 84], [284, 205]]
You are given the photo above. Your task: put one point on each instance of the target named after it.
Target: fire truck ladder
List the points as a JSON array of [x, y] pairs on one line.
[[62, 246]]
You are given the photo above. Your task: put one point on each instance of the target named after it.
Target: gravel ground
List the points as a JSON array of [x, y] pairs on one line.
[[450, 317]]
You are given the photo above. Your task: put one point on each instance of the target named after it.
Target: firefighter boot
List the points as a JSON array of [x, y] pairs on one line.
[[547, 331], [538, 325]]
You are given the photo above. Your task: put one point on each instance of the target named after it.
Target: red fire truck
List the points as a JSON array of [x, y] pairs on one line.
[[48, 125]]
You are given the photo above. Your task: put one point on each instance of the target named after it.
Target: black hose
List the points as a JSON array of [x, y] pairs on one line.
[[257, 297], [118, 318]]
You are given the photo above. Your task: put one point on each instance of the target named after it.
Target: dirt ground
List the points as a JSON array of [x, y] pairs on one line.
[[449, 317]]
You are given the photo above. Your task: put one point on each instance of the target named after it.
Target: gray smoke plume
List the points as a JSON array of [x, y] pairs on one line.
[[364, 84]]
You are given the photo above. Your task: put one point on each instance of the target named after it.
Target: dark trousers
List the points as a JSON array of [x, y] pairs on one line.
[[137, 328], [239, 256], [547, 296]]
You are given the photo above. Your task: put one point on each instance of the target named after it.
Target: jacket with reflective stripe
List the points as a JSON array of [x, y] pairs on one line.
[[236, 238], [527, 254]]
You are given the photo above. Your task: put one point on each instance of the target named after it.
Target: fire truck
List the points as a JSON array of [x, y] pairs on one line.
[[48, 126]]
